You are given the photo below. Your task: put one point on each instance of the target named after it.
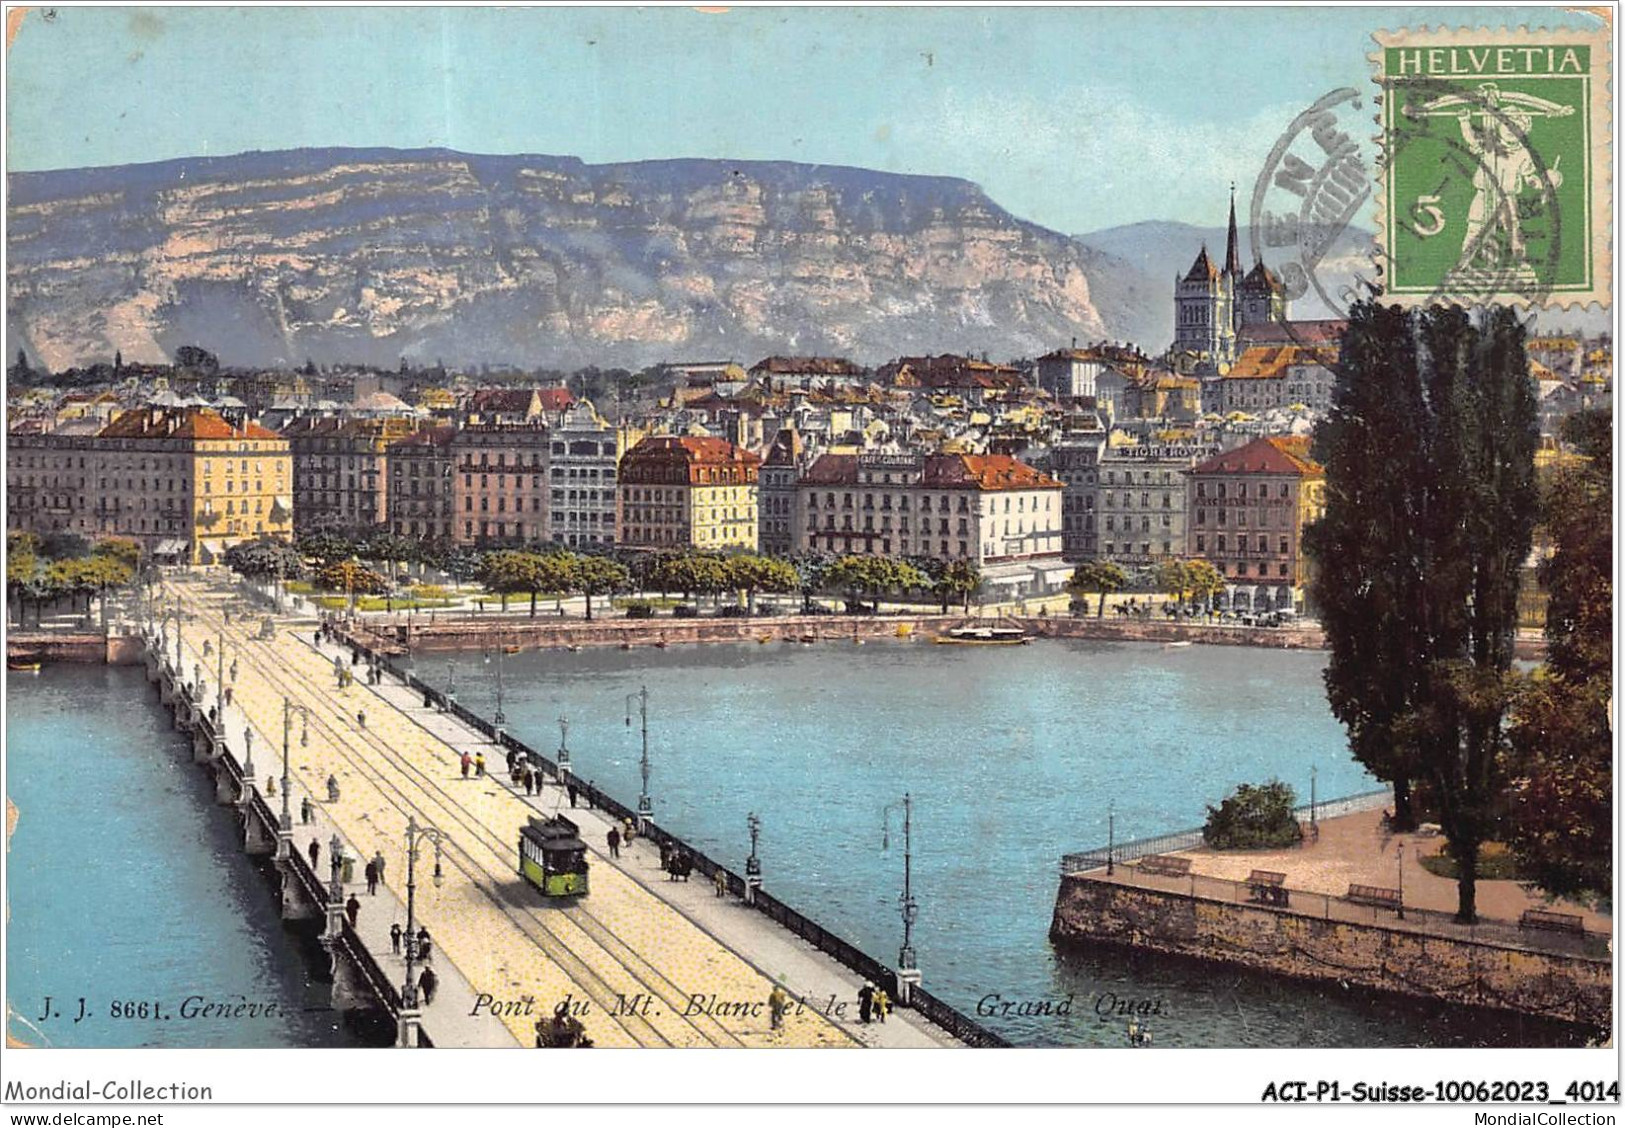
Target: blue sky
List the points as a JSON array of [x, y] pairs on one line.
[[1074, 118]]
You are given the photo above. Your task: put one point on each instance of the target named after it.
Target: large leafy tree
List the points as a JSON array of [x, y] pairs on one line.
[[870, 577], [1430, 509], [506, 572], [597, 575], [956, 582], [751, 573], [1100, 576], [1559, 820], [265, 559]]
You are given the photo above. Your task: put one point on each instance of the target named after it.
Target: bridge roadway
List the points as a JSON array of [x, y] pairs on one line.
[[631, 955]]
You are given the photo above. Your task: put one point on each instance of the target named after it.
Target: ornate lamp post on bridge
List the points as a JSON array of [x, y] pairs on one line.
[[753, 864], [564, 751], [646, 811], [498, 719], [284, 834], [451, 683], [908, 972], [406, 1029]]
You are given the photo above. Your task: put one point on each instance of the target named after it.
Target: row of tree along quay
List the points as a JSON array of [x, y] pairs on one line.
[[48, 570], [1433, 504], [338, 562]]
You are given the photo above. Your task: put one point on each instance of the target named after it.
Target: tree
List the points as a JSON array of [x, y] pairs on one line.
[[1203, 581], [103, 572], [119, 548], [596, 575], [1430, 505], [751, 573], [1173, 577], [196, 358], [22, 568], [351, 578], [64, 546], [265, 559], [1101, 576], [326, 547], [506, 572], [870, 577], [1559, 820], [957, 581], [1253, 818]]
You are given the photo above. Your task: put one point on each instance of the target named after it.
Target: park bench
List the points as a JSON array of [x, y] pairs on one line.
[[1165, 865], [1553, 922], [1374, 895], [1267, 887]]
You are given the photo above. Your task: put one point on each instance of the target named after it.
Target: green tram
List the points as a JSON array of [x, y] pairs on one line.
[[552, 857]]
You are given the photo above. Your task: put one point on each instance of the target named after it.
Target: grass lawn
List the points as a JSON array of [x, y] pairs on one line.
[[662, 602], [300, 587], [1495, 863], [379, 603]]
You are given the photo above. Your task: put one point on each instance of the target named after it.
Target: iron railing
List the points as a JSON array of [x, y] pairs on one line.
[[934, 1010], [1178, 840]]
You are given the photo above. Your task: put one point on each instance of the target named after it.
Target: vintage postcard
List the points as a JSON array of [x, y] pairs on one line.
[[973, 529]]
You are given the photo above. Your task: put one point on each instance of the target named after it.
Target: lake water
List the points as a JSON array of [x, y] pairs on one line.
[[128, 884], [1012, 756]]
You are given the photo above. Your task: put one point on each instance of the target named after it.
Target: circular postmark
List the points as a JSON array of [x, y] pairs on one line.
[[1310, 189], [1463, 176]]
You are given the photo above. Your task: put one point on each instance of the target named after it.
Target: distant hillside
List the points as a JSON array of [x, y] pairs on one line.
[[369, 255]]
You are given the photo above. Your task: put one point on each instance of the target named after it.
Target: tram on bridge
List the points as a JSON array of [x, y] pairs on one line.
[[552, 857]]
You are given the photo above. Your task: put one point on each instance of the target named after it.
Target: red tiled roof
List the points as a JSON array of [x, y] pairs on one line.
[[555, 399], [1265, 456], [182, 423], [1324, 332], [984, 472], [816, 365], [1263, 362]]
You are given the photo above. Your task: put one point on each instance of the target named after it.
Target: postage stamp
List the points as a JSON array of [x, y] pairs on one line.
[[1495, 177]]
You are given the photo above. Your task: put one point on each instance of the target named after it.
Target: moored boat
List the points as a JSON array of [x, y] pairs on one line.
[[984, 636], [23, 666]]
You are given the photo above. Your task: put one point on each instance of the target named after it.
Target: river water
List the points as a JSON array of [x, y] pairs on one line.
[[127, 882]]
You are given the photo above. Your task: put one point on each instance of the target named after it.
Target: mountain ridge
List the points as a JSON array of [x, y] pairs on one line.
[[369, 254]]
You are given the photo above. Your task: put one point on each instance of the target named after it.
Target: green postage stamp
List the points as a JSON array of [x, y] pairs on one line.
[[1496, 174]]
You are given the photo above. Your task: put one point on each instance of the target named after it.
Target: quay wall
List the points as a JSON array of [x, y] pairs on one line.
[[112, 650], [445, 633], [1571, 988]]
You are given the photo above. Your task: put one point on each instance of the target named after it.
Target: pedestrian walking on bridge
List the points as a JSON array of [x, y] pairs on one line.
[[395, 938], [378, 864], [352, 909], [371, 873], [571, 791], [315, 852], [479, 764], [332, 789], [778, 1001], [614, 841], [305, 810], [428, 983], [423, 944], [528, 778], [722, 883], [467, 762]]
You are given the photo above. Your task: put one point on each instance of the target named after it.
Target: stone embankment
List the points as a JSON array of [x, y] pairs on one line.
[[445, 633], [91, 646], [1466, 970]]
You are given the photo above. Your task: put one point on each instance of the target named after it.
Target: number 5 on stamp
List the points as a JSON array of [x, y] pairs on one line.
[[1496, 174]]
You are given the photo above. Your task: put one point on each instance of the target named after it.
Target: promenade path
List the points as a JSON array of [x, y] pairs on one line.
[[495, 938]]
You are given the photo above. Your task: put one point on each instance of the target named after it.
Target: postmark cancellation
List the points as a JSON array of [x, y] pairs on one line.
[[1495, 182]]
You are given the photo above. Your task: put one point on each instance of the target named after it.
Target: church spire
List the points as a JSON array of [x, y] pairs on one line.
[[1232, 252]]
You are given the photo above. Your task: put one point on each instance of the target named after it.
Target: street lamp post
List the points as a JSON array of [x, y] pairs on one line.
[[451, 683], [646, 811], [284, 836], [406, 1032], [753, 864], [499, 719], [248, 762], [1401, 869], [564, 751], [908, 972], [1313, 825], [1111, 835]]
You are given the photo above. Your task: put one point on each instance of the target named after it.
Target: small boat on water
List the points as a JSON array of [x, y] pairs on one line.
[[511, 649], [1176, 645], [984, 636], [23, 666]]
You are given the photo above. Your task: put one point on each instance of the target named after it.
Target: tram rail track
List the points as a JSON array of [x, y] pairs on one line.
[[643, 974]]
